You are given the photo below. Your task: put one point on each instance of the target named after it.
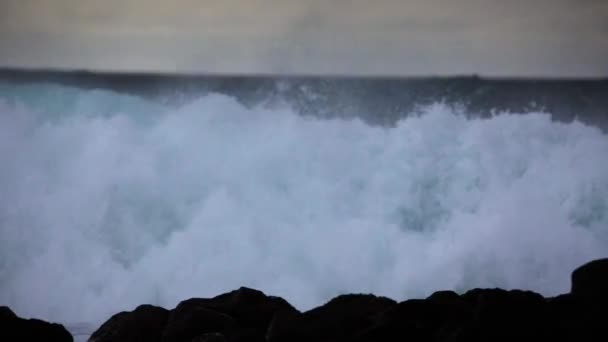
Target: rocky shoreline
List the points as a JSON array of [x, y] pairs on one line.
[[250, 315]]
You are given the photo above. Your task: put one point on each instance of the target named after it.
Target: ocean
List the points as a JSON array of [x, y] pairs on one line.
[[116, 192]]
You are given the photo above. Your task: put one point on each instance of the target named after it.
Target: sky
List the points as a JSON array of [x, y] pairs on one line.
[[552, 38]]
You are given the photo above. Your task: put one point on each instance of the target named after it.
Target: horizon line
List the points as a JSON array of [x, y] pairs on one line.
[[214, 74]]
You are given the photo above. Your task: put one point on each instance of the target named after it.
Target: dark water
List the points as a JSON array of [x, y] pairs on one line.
[[375, 100]]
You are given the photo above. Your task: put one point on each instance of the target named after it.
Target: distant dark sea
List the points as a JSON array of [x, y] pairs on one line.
[[375, 100]]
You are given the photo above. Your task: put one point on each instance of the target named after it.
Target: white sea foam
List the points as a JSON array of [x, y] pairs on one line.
[[108, 201]]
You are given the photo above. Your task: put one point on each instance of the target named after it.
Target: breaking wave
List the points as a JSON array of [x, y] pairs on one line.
[[108, 201]]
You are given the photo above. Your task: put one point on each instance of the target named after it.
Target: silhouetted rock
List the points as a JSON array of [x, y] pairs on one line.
[[6, 313], [145, 323], [241, 315], [338, 320], [591, 279], [210, 337], [190, 319], [580, 315], [438, 317], [452, 313], [477, 315], [15, 328], [499, 314]]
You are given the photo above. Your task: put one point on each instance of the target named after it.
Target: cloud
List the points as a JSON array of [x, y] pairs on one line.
[[554, 37]]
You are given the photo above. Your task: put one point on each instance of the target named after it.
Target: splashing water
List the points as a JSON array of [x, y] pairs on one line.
[[108, 201]]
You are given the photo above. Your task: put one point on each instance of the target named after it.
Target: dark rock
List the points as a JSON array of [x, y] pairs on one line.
[[577, 318], [505, 314], [283, 324], [189, 320], [445, 297], [14, 328], [241, 315], [436, 318], [580, 315], [591, 279], [340, 319], [477, 315], [452, 313], [6, 313], [211, 337], [145, 323]]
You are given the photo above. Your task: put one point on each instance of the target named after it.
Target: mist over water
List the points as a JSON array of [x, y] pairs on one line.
[[109, 201]]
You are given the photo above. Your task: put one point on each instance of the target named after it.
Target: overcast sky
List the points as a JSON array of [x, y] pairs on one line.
[[391, 37]]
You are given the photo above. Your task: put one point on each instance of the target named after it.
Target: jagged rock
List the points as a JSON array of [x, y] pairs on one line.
[[591, 279], [145, 323], [241, 315], [338, 320], [15, 328]]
